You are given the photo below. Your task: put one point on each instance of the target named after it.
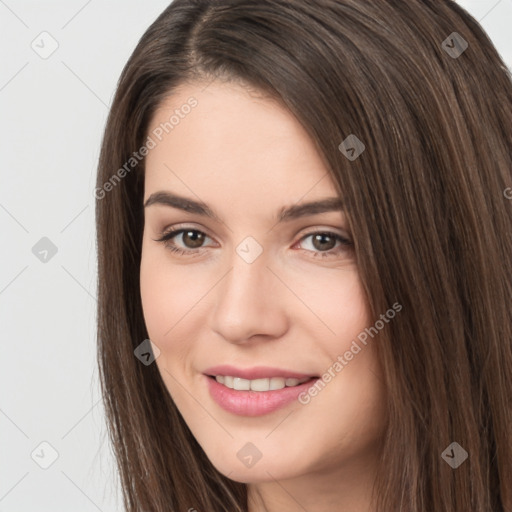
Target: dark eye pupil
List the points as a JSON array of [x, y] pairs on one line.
[[194, 237], [319, 241]]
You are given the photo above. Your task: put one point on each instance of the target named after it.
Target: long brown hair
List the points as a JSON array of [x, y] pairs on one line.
[[425, 202]]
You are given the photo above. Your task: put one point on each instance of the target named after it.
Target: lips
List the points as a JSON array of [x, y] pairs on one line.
[[257, 372], [251, 402], [254, 403]]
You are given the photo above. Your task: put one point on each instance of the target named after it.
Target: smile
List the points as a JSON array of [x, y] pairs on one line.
[[266, 384], [256, 397]]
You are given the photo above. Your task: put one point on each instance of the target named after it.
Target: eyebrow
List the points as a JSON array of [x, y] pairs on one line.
[[286, 213]]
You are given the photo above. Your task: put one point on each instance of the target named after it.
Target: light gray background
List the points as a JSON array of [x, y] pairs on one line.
[[53, 111]]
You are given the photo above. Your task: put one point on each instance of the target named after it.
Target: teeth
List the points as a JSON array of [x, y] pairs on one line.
[[271, 384], [276, 383], [241, 384], [260, 384]]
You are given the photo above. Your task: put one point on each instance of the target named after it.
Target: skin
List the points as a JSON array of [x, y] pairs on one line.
[[246, 157]]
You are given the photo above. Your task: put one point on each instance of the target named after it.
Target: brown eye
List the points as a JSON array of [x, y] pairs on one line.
[[192, 239], [325, 244], [323, 241], [185, 241]]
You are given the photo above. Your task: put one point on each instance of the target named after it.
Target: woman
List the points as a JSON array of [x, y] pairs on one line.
[[304, 242]]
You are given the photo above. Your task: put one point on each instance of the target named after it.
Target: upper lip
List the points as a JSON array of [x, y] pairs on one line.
[[256, 372]]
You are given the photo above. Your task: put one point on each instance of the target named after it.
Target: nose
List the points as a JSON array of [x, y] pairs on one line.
[[250, 302]]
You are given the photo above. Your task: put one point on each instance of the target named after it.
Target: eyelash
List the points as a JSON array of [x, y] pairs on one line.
[[167, 236]]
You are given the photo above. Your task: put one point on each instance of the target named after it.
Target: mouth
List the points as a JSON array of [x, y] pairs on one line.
[[257, 396], [259, 385], [257, 390]]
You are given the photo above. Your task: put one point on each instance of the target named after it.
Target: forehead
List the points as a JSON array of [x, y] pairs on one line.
[[232, 145]]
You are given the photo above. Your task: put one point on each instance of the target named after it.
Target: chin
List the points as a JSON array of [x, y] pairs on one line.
[[261, 471]]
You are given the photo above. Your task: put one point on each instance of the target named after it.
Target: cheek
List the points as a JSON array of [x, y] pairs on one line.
[[157, 295], [166, 293], [346, 305], [173, 298], [338, 302], [166, 297]]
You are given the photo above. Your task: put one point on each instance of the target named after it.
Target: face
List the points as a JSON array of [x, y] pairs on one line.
[[253, 288]]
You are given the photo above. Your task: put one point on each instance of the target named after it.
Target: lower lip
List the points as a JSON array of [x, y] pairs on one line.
[[254, 403]]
